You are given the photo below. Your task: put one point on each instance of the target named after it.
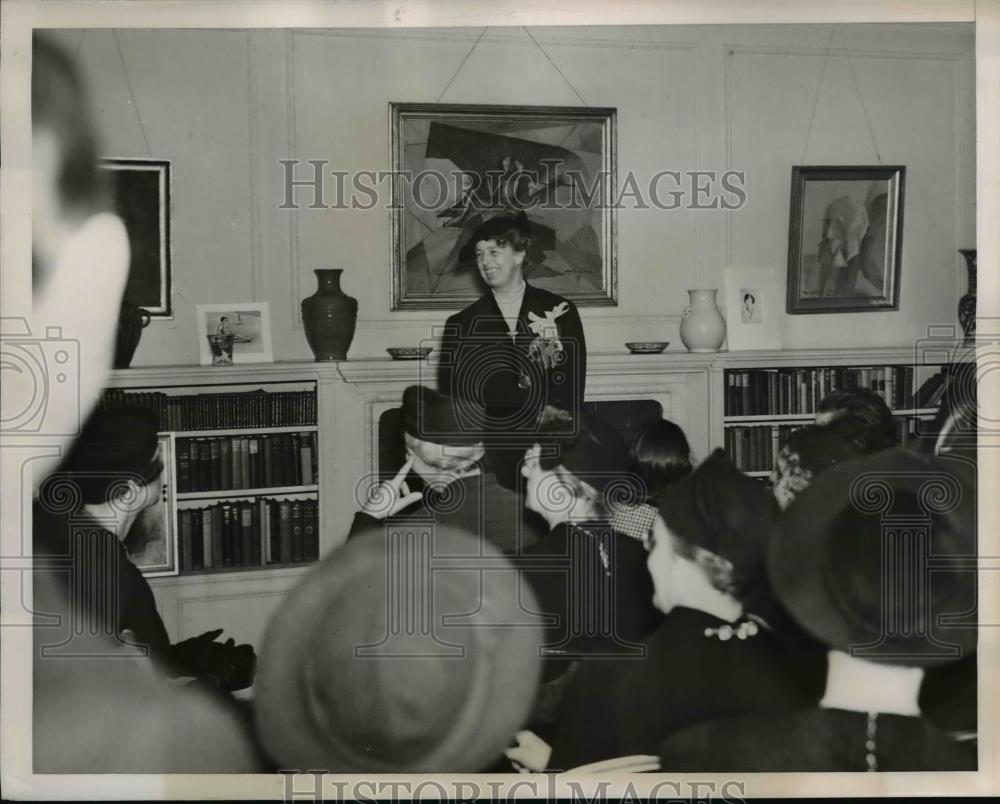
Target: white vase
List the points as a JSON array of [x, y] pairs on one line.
[[703, 329]]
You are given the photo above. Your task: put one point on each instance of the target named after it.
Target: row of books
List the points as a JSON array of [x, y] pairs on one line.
[[221, 463], [755, 448], [233, 410], [248, 534], [761, 392]]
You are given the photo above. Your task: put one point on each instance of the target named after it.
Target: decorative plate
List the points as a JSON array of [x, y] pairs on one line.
[[409, 352], [647, 347]]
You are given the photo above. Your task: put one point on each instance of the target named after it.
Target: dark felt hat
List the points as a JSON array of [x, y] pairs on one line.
[[866, 558], [369, 667], [114, 444], [722, 510], [432, 416], [588, 447], [490, 229]]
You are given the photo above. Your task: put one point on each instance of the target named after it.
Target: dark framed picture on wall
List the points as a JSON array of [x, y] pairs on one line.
[[140, 189], [456, 166], [845, 239]]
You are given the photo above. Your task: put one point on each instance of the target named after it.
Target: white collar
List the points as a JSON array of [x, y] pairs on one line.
[[858, 685]]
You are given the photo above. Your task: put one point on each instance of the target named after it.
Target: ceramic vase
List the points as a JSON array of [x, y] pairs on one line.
[[329, 317], [703, 329], [131, 322], [967, 304]]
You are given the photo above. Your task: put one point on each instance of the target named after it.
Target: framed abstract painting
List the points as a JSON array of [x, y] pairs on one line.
[[456, 166]]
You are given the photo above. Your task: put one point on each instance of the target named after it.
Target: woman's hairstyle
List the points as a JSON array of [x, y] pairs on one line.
[[660, 455], [864, 416], [817, 447], [59, 103]]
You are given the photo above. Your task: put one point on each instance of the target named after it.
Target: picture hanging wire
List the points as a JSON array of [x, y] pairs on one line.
[[536, 43], [128, 83], [857, 88]]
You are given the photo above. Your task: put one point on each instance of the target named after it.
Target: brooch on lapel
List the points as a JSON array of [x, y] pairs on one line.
[[546, 350]]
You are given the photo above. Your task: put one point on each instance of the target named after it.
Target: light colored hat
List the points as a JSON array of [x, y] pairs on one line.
[[394, 656]]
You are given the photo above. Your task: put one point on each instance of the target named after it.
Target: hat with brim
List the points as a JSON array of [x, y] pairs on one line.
[[868, 559], [490, 229], [432, 416], [368, 667]]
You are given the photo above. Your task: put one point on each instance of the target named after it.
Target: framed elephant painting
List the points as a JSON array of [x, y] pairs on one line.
[[845, 239]]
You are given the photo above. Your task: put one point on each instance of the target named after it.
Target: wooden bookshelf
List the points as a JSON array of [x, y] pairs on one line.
[[763, 401], [242, 484]]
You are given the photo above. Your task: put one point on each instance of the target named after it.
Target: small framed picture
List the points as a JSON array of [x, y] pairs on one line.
[[753, 309], [234, 333], [152, 540]]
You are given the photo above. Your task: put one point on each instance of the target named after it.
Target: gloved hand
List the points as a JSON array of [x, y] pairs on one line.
[[189, 657], [229, 665]]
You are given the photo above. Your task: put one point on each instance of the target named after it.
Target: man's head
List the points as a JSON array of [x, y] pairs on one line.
[[115, 461], [443, 435], [862, 415]]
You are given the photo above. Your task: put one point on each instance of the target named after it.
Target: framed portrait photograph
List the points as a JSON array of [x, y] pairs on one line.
[[456, 166], [753, 307], [234, 333], [845, 239], [140, 189], [152, 540]]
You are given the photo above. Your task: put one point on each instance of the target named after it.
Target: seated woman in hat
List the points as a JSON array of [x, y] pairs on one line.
[[572, 478], [115, 472], [828, 565], [515, 350], [444, 449], [714, 653]]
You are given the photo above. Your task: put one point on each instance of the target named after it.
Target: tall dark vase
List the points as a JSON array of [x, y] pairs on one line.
[[329, 317], [131, 322], [967, 304]]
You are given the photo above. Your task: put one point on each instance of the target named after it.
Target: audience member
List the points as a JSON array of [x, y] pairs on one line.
[[828, 565], [863, 415], [807, 453], [84, 516], [712, 655], [444, 448], [601, 599], [79, 249], [345, 687], [109, 713], [659, 456]]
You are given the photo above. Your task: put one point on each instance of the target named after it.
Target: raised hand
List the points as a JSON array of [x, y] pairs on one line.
[[390, 497]]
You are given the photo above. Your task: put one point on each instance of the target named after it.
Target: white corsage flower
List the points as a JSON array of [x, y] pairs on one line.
[[546, 327], [546, 349]]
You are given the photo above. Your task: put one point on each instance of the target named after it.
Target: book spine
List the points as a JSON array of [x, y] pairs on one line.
[[247, 534], [306, 455], [216, 462], [298, 547], [218, 535], [197, 541], [285, 532], [206, 538], [184, 526]]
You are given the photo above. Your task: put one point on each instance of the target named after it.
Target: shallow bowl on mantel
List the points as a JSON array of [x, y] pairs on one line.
[[647, 347], [409, 352]]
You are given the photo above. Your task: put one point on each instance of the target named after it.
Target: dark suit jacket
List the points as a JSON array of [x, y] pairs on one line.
[[480, 360], [810, 740]]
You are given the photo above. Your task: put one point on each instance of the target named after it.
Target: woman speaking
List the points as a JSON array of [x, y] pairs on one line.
[[513, 351]]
